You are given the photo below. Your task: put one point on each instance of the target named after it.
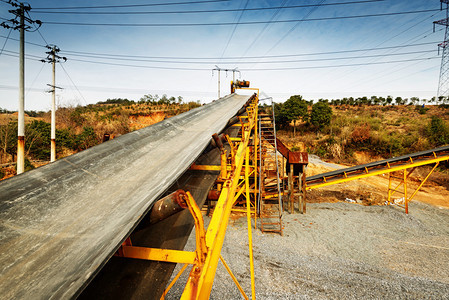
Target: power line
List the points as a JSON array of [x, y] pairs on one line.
[[34, 81], [202, 11], [85, 102], [132, 5], [260, 69], [265, 27], [393, 50], [235, 28], [6, 40], [295, 26], [251, 62], [264, 62], [234, 23], [230, 57], [69, 52], [28, 43], [246, 70], [337, 66], [376, 75]]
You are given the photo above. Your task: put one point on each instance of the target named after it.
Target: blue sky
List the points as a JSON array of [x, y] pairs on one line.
[[314, 58]]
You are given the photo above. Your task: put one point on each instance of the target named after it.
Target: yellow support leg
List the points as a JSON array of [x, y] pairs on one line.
[[233, 278], [174, 281], [405, 191], [424, 180], [250, 236]]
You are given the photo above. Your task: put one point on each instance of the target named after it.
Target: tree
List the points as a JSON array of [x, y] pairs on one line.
[[279, 114], [321, 114], [295, 108], [8, 140]]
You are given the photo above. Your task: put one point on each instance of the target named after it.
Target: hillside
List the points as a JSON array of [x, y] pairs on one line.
[[81, 127]]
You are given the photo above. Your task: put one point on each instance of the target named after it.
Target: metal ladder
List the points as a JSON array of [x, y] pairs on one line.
[[270, 192]]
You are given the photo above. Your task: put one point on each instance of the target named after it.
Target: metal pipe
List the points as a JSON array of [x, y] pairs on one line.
[[167, 206]]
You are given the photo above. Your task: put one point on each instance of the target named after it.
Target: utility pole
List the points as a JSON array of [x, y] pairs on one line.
[[217, 68], [53, 58], [21, 111], [19, 12], [443, 82]]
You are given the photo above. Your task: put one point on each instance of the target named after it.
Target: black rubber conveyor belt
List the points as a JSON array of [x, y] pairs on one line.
[[59, 224], [381, 163]]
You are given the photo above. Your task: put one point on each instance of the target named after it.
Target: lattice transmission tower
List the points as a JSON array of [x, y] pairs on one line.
[[443, 84]]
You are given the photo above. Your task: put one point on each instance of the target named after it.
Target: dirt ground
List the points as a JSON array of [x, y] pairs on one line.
[[342, 250]]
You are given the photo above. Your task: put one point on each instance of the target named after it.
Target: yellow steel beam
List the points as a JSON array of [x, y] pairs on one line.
[[174, 281], [233, 278], [379, 172], [402, 181], [248, 219], [205, 167], [174, 256], [423, 181], [201, 277]]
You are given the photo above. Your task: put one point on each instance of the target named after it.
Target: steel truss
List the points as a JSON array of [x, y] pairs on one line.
[[431, 157], [237, 171]]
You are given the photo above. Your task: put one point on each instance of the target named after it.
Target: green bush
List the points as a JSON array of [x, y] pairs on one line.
[[421, 109], [438, 131], [86, 139]]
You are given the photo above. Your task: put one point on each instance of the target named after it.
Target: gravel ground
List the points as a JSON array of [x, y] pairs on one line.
[[340, 251]]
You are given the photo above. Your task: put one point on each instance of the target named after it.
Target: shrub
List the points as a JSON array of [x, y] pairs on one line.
[[361, 134], [421, 109], [86, 139], [438, 131]]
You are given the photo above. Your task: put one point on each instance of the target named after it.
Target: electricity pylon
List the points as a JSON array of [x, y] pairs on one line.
[[443, 83]]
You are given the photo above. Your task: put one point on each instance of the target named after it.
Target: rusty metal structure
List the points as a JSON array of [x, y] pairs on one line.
[[270, 189], [291, 167]]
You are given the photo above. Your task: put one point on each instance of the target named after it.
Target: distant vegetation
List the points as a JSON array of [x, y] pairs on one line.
[[379, 127], [81, 127], [335, 129]]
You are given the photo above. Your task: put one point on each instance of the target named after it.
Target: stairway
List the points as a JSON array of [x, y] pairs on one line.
[[270, 193]]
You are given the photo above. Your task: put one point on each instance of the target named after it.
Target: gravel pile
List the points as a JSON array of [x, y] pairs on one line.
[[340, 251]]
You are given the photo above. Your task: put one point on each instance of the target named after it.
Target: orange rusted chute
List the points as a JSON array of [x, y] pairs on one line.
[[239, 84]]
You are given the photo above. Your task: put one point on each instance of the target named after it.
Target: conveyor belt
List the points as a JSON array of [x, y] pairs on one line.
[[60, 223], [387, 164]]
